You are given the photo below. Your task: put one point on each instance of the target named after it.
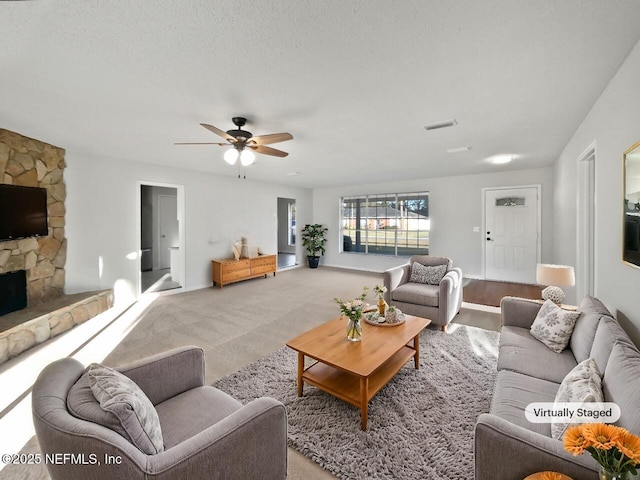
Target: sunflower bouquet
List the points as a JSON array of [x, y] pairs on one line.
[[614, 448]]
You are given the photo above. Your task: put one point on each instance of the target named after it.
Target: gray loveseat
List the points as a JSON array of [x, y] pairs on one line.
[[206, 433], [509, 447]]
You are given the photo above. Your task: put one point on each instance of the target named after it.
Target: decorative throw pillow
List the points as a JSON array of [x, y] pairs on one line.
[[582, 384], [120, 395], [429, 275], [553, 326]]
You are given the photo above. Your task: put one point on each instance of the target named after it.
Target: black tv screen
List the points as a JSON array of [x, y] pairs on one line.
[[23, 212]]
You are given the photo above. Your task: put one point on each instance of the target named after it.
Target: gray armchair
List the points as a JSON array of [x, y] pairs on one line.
[[206, 433], [439, 303]]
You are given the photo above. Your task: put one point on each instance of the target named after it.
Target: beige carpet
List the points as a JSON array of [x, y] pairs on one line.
[[242, 323]]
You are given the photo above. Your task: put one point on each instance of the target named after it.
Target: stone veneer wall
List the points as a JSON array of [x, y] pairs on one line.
[[29, 334], [31, 163]]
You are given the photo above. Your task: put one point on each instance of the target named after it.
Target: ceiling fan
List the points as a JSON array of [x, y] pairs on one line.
[[243, 143]]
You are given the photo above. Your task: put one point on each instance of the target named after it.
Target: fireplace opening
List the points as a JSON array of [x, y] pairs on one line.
[[13, 291]]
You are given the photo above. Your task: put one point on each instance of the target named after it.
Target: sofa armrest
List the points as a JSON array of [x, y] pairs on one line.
[[450, 296], [505, 450], [251, 443], [169, 373], [519, 312], [393, 278]]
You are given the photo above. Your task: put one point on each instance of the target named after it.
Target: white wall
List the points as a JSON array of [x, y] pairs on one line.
[[455, 207], [613, 123], [102, 220]]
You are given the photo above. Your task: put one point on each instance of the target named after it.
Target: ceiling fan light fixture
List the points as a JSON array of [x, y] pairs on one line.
[[247, 157], [230, 156]]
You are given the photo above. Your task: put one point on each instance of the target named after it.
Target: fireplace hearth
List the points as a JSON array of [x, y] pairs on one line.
[[13, 291]]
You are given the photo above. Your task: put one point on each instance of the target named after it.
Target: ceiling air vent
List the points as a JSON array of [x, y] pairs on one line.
[[445, 124]]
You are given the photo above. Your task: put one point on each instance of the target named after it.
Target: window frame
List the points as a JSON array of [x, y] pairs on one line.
[[375, 224]]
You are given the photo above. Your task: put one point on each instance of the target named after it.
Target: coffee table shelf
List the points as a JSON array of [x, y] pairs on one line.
[[346, 386]]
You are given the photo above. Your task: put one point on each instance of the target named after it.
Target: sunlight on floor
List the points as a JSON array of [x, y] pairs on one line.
[[482, 308], [480, 343], [90, 342]]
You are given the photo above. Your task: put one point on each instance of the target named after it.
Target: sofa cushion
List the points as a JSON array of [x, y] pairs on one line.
[[593, 305], [514, 391], [120, 395], [591, 311], [193, 411], [582, 384], [608, 333], [621, 384], [417, 293], [553, 326], [520, 352], [429, 275]]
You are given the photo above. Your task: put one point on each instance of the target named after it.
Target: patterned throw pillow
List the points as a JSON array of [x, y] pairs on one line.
[[553, 326], [582, 384], [424, 274], [120, 395]]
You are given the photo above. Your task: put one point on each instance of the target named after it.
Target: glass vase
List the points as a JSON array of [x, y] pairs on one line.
[[607, 475], [354, 330]]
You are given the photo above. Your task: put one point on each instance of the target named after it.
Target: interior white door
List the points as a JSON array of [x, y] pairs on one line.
[[168, 227], [511, 240]]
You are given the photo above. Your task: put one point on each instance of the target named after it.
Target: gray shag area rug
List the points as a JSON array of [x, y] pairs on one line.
[[420, 424]]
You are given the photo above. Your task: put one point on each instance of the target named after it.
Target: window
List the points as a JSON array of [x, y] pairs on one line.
[[387, 224], [292, 225]]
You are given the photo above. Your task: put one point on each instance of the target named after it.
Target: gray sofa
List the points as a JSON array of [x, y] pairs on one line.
[[206, 433], [506, 445], [439, 303]]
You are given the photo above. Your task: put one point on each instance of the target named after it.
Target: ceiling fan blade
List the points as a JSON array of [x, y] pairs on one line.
[[201, 143], [268, 150], [222, 133], [271, 138]]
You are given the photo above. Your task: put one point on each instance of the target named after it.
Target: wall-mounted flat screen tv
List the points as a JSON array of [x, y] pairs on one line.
[[23, 212]]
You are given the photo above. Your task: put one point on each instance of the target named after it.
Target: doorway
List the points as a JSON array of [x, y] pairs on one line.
[[586, 218], [161, 237], [287, 237], [512, 233]]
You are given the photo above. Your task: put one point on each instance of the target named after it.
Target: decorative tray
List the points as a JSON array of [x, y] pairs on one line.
[[374, 318]]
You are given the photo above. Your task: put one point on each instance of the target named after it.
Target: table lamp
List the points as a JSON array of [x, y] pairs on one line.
[[555, 276]]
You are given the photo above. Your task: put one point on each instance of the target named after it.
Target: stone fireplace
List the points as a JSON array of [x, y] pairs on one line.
[[39, 262], [31, 163]]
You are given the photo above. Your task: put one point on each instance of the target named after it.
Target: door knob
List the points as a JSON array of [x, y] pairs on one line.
[[491, 239]]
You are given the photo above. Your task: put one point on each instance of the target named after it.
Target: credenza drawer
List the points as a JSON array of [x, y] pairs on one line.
[[263, 265], [237, 266], [235, 275]]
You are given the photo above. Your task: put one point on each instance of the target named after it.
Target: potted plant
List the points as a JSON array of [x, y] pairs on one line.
[[313, 238]]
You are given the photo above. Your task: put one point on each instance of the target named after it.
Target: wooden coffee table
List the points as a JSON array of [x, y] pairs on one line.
[[355, 371]]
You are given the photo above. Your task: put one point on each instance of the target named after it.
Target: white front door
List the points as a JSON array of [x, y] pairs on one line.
[[168, 227], [511, 234]]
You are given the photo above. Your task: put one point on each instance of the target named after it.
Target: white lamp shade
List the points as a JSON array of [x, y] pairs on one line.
[[230, 156], [247, 157], [556, 275]]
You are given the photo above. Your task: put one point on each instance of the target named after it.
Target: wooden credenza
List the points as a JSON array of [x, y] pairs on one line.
[[225, 271]]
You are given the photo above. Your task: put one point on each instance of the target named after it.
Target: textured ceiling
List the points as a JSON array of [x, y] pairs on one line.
[[353, 81]]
